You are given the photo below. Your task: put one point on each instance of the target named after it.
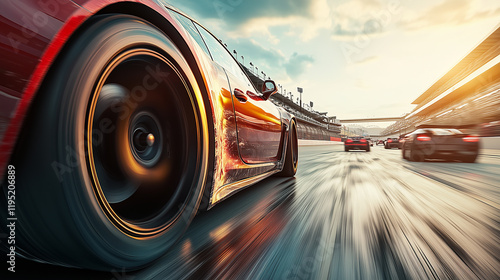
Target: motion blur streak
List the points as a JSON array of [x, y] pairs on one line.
[[348, 215]]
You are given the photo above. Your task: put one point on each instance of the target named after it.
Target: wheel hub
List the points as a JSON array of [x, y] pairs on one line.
[[145, 139]]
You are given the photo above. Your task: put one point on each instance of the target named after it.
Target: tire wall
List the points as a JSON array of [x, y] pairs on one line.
[[308, 131]]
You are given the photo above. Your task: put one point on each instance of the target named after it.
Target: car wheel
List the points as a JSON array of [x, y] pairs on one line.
[[416, 155], [469, 158], [346, 149], [368, 148], [403, 152], [292, 153], [386, 146], [113, 161]]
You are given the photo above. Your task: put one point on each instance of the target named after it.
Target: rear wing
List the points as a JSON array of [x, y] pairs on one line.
[[468, 126]]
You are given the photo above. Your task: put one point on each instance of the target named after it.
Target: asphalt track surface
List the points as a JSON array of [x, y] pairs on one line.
[[346, 215]]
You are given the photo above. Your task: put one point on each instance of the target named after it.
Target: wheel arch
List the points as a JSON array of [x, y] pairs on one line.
[[155, 18], [286, 120]]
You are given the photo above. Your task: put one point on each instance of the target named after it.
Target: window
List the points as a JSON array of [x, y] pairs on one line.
[[222, 56], [446, 132], [191, 29]]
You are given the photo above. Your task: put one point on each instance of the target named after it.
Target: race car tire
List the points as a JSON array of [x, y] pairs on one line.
[[113, 160]]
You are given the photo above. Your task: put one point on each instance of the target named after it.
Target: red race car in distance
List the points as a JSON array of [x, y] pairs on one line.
[[392, 143], [356, 143]]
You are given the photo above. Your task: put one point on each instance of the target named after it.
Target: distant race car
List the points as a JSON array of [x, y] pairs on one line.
[[356, 143], [392, 143], [440, 143], [380, 142]]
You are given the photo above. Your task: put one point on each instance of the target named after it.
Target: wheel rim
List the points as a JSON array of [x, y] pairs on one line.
[[142, 142]]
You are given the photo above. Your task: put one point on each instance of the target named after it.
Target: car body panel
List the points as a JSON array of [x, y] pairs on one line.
[[258, 124], [35, 31], [230, 172], [230, 168]]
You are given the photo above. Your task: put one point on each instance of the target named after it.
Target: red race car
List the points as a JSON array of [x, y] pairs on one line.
[[356, 143], [392, 143], [119, 121]]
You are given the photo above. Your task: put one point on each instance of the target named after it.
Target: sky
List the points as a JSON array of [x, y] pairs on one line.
[[353, 58]]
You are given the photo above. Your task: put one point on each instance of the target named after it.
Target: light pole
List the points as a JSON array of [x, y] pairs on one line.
[[264, 74], [235, 54], [281, 89], [257, 71], [243, 60], [300, 90], [253, 70]]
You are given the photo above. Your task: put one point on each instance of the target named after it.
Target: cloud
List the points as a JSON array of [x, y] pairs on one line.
[[271, 61], [237, 22], [367, 60], [368, 18], [236, 13], [245, 18], [298, 64], [259, 55], [452, 13], [362, 17]]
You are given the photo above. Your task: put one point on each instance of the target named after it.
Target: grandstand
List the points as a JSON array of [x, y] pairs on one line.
[[467, 96]]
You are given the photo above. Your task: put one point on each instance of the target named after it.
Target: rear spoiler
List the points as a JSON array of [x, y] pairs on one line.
[[447, 126]]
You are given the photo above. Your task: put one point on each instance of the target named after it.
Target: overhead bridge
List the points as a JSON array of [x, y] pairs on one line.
[[395, 119]]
